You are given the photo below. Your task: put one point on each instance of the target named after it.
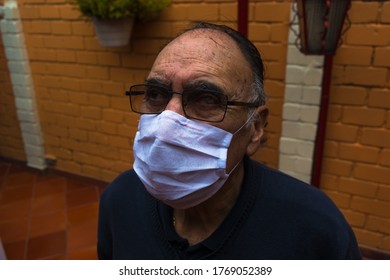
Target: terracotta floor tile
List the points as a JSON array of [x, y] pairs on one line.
[[15, 250], [82, 214], [48, 204], [21, 178], [81, 197], [84, 235], [15, 211], [47, 246], [87, 253], [17, 193], [46, 224], [73, 185], [4, 167], [48, 187], [14, 231]]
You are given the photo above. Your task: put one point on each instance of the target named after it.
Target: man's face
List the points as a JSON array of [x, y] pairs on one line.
[[211, 58]]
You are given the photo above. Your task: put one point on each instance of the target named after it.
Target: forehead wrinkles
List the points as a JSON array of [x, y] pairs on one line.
[[207, 46]]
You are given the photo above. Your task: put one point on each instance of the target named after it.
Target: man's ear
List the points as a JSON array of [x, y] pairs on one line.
[[257, 130]]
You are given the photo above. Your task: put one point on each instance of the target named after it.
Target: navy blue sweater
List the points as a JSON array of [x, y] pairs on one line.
[[275, 217]]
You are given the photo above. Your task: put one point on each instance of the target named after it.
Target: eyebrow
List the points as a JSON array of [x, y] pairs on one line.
[[156, 82], [203, 85]]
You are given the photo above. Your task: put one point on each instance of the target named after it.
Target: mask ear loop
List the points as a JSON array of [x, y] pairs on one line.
[[248, 119], [245, 123]]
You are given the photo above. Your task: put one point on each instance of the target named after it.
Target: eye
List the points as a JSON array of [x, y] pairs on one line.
[[156, 94], [206, 99]]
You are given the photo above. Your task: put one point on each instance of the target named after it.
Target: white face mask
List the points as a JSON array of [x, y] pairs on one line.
[[181, 162]]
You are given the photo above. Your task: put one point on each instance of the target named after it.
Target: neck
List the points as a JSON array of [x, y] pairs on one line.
[[197, 223]]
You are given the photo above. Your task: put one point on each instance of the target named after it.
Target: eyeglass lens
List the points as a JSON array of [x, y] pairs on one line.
[[197, 104]]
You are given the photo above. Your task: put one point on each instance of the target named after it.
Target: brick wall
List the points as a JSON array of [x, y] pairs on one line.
[[85, 117], [356, 170], [11, 143], [268, 29], [88, 127]]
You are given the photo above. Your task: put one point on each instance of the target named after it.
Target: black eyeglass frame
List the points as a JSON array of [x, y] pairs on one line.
[[129, 93]]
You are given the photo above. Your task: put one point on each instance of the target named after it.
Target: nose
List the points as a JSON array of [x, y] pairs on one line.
[[175, 104]]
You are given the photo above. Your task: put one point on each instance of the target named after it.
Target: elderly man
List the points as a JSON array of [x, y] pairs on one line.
[[194, 193]]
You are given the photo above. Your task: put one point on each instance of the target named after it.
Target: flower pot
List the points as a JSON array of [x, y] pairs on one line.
[[113, 32]]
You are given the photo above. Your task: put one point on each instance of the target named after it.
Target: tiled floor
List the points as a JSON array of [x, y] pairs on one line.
[[46, 215]]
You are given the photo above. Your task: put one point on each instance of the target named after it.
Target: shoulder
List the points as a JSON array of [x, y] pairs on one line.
[[292, 194], [125, 187]]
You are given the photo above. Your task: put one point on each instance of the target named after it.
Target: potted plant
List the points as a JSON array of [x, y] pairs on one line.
[[114, 19]]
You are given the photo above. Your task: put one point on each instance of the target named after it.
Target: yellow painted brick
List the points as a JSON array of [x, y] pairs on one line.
[[274, 88], [107, 127], [363, 12], [368, 238], [73, 42], [108, 59], [228, 11], [121, 103], [384, 158], [364, 116], [357, 152], [59, 95], [90, 85], [120, 142], [331, 149], [279, 33], [66, 56], [382, 56], [205, 12], [272, 12], [275, 71], [379, 98], [259, 32], [110, 115], [368, 35], [377, 224], [29, 12], [384, 193], [85, 57], [372, 173], [91, 112], [126, 155], [358, 187], [336, 167], [78, 134], [83, 28], [369, 206], [38, 27], [341, 200], [272, 52], [348, 95], [97, 137], [61, 28], [366, 76], [353, 55], [78, 97], [174, 12], [385, 13], [100, 73], [376, 137], [69, 12], [98, 100], [355, 219]]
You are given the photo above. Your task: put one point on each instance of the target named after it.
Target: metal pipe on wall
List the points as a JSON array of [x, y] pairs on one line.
[[242, 13], [322, 121]]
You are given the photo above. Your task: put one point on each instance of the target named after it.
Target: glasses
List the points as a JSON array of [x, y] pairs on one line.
[[198, 104]]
